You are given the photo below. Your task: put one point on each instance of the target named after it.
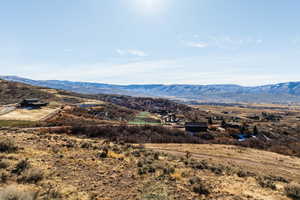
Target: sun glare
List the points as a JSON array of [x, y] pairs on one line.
[[150, 6]]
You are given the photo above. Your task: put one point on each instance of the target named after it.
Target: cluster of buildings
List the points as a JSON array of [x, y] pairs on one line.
[[179, 120]]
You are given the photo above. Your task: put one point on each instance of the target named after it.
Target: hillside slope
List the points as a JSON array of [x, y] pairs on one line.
[[13, 92], [63, 167]]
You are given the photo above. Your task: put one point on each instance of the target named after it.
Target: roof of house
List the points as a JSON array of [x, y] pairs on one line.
[[197, 124], [31, 100]]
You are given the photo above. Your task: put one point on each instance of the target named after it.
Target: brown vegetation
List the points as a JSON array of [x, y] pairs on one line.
[[12, 92]]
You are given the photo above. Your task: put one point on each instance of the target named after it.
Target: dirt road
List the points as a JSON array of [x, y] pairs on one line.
[[6, 109]]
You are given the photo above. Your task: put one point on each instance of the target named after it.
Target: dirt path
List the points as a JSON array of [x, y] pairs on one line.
[[50, 115], [6, 109], [266, 168]]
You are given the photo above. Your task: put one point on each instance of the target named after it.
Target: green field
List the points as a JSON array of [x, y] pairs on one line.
[[17, 123], [144, 118]]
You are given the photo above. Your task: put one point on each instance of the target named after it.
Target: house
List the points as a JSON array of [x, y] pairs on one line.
[[32, 104], [170, 118], [232, 125], [254, 117], [195, 127], [162, 112]]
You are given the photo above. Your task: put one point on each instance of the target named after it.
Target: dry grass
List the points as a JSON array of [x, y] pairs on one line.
[[262, 162], [127, 172], [14, 192], [7, 146], [31, 176], [28, 115]]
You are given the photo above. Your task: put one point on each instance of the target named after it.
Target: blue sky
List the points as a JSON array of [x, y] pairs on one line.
[[243, 42]]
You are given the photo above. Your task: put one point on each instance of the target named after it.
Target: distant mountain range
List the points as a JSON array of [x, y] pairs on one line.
[[277, 93]]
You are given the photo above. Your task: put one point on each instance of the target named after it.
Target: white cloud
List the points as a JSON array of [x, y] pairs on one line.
[[245, 69], [228, 42], [197, 44], [133, 52], [222, 42], [136, 52]]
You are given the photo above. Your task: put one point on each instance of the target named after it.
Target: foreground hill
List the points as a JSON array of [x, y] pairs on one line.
[[40, 166], [277, 93]]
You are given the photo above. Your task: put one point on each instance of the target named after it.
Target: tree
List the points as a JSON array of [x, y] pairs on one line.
[[255, 130], [223, 123], [243, 129], [210, 121]]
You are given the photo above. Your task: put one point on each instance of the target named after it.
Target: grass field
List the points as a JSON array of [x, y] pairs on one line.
[[17, 123], [145, 118], [27, 115]]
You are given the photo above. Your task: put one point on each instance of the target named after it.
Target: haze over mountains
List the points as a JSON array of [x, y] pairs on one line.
[[276, 93]]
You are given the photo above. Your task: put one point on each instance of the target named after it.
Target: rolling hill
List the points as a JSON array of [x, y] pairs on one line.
[[13, 92], [277, 93]]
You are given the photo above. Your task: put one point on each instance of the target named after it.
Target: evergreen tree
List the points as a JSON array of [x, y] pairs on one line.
[[210, 121], [223, 123], [255, 130]]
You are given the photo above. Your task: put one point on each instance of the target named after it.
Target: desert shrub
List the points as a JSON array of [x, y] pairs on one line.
[[266, 183], [168, 170], [86, 145], [203, 165], [142, 171], [202, 188], [14, 193], [200, 165], [156, 156], [103, 153], [52, 193], [185, 174], [242, 173], [137, 135], [3, 177], [117, 149], [218, 170], [145, 166], [21, 167], [293, 191], [151, 169], [69, 144], [154, 191], [136, 153], [207, 136], [146, 169], [195, 180], [3, 165], [277, 179], [31, 176], [140, 163], [7, 146]]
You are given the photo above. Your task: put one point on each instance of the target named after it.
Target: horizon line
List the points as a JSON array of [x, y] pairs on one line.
[[158, 84]]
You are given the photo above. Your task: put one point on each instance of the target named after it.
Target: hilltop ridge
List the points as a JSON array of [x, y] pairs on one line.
[[275, 93]]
